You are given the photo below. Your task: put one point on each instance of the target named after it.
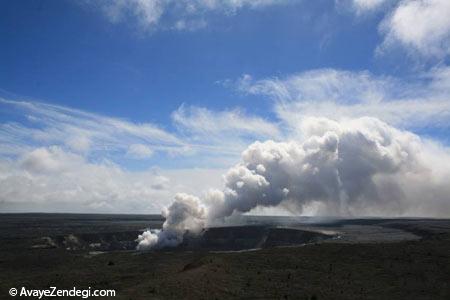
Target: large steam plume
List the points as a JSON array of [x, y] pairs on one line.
[[352, 167]]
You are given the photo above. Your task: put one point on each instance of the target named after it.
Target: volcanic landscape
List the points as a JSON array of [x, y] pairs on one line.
[[252, 257]]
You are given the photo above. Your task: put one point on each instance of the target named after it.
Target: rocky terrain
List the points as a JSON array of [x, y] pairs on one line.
[[261, 258]]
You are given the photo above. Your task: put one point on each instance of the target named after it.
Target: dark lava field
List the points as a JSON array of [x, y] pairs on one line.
[[254, 258]]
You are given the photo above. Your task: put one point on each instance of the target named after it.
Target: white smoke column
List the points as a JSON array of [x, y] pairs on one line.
[[353, 167], [183, 215]]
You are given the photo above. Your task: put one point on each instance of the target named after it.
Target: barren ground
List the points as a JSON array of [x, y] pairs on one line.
[[372, 259]]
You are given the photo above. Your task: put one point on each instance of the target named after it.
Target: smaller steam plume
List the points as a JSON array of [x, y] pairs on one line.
[[183, 215], [356, 167]]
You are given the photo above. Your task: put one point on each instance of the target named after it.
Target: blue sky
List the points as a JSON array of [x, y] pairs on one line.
[[70, 54], [149, 88]]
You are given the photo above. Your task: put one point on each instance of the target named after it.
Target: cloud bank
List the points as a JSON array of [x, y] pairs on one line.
[[51, 178]]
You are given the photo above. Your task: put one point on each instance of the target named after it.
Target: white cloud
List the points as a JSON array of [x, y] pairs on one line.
[[320, 85], [52, 160], [189, 25], [218, 137], [199, 121], [173, 14], [419, 26], [147, 12], [362, 6], [79, 143], [368, 4], [139, 151]]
